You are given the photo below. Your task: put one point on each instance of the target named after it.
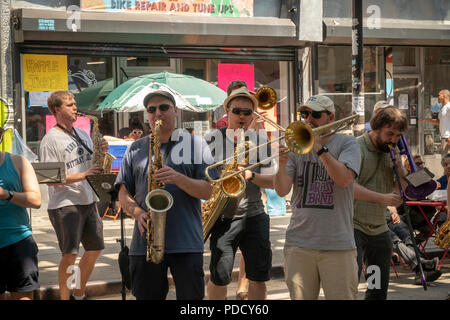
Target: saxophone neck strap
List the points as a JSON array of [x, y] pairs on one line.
[[74, 135]]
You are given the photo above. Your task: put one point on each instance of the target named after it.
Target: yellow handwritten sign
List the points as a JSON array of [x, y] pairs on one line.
[[43, 72]]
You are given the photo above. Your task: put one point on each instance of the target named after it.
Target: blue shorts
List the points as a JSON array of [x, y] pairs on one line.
[[252, 236], [19, 267]]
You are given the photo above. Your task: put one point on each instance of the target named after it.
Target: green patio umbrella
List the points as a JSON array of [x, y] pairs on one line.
[[190, 93], [90, 98]]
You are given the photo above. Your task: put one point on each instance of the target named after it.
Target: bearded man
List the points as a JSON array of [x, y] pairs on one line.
[[373, 192]]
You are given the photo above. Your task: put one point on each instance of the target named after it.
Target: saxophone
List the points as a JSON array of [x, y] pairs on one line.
[[104, 160], [158, 201], [442, 239], [232, 187]]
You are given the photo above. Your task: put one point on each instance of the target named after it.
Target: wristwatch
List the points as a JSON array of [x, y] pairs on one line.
[[11, 194], [322, 150]]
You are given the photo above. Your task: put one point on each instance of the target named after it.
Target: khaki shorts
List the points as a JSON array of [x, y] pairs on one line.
[[307, 269], [75, 224]]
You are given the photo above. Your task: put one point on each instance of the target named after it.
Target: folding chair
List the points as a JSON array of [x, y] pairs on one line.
[[113, 212]]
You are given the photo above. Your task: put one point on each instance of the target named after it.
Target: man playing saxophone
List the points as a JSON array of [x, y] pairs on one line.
[[320, 248], [185, 181], [72, 205], [243, 222]]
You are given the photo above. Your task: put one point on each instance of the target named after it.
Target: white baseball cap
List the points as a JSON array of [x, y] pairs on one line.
[[319, 103], [380, 105]]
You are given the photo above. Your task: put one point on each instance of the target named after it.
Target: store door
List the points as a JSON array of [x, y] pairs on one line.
[[406, 98]]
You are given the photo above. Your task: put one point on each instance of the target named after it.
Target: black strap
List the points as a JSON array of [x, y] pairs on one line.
[[75, 137]]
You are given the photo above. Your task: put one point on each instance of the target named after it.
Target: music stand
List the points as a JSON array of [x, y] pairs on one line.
[[103, 186], [50, 172]]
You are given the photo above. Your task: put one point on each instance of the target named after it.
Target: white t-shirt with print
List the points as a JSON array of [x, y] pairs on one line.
[[58, 146]]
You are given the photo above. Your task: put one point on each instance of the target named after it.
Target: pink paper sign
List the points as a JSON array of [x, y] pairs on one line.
[[228, 72], [82, 123]]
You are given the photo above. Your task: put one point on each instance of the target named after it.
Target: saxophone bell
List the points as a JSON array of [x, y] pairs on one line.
[[158, 202]]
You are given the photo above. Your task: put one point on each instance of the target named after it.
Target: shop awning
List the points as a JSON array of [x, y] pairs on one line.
[[391, 32], [148, 29]]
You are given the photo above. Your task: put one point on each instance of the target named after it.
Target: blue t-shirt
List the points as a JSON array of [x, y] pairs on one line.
[[443, 181], [14, 220], [188, 155]]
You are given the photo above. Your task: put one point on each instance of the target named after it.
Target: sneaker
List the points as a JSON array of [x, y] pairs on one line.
[[430, 265], [430, 276]]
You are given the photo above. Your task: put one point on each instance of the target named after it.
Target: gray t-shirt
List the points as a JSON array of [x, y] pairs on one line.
[[322, 212], [250, 203], [58, 146]]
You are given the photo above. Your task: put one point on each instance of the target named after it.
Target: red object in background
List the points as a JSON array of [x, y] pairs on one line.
[[228, 72], [222, 122]]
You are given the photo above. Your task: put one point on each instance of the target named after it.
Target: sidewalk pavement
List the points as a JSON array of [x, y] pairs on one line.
[[105, 281]]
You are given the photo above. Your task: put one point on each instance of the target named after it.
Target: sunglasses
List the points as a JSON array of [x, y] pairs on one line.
[[162, 107], [245, 112], [419, 163], [315, 114]]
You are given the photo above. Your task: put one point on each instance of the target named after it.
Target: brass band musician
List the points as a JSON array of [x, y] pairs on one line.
[[320, 248], [244, 222], [185, 181], [72, 205]]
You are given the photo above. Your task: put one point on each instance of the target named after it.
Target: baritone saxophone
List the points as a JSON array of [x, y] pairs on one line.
[[158, 201]]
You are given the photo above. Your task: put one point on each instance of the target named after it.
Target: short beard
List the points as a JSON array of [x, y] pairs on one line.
[[382, 146]]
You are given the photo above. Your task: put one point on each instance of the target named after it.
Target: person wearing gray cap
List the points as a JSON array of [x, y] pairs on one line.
[[187, 184], [320, 248]]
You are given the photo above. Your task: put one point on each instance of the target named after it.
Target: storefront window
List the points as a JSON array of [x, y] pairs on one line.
[[436, 78], [86, 77], [335, 78], [404, 56]]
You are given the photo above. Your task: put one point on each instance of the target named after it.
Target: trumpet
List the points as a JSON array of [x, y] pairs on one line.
[[299, 138]]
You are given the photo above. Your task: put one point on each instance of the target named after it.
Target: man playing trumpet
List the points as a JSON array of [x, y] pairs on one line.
[[320, 249]]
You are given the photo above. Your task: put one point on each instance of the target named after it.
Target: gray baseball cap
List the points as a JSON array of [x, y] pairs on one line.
[[160, 93], [319, 103]]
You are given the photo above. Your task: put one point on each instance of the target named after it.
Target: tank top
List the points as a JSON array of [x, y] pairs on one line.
[[14, 220]]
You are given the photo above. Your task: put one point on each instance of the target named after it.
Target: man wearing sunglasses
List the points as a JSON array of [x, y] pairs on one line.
[[187, 184], [320, 248], [244, 222]]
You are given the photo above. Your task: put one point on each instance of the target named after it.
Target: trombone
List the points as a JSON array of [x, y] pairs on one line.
[[299, 136]]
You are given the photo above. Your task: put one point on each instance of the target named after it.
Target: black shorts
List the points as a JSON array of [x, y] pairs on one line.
[[149, 281], [252, 236], [19, 266], [75, 224]]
